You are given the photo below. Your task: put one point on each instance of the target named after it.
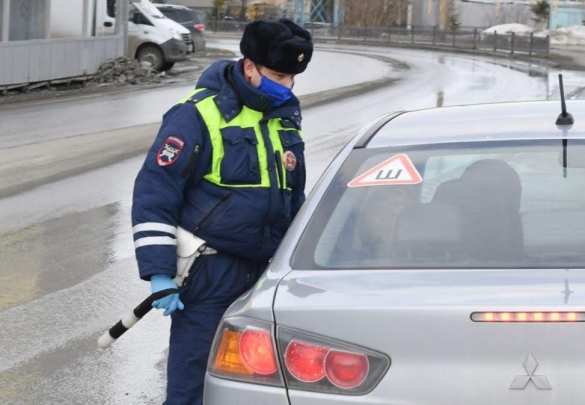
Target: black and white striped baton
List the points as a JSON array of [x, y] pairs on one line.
[[189, 247], [129, 321]]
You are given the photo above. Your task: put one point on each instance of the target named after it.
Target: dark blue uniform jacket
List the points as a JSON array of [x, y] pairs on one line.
[[170, 191]]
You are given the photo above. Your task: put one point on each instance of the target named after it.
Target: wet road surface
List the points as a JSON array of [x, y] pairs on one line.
[[68, 269], [21, 125]]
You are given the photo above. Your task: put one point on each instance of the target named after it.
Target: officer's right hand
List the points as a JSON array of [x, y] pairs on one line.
[[170, 303]]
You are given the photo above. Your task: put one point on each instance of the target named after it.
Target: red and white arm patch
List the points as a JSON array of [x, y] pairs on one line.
[[169, 151], [290, 160]]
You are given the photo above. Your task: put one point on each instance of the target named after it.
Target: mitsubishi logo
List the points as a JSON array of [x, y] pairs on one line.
[[521, 381]]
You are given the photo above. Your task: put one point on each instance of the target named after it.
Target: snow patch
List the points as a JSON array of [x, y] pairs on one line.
[[505, 29], [574, 35]]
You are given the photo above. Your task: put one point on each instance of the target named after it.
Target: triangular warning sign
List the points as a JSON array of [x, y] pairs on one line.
[[398, 170]]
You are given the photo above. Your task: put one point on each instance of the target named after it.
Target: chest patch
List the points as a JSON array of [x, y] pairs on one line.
[[290, 161], [169, 151]]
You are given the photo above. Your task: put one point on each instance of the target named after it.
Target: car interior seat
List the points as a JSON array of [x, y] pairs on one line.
[[427, 234], [487, 197]]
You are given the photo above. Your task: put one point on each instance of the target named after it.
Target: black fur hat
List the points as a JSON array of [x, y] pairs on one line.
[[279, 45]]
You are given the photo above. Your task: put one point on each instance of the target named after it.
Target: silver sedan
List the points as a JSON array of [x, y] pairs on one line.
[[439, 260]]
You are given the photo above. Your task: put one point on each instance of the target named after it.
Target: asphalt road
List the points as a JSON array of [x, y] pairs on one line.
[[66, 249], [65, 117]]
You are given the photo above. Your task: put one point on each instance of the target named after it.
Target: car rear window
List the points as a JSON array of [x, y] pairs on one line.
[[469, 205]]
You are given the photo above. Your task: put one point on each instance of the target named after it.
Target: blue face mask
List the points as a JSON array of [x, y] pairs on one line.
[[276, 92]]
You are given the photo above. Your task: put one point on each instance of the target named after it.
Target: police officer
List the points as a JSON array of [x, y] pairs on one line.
[[228, 165]]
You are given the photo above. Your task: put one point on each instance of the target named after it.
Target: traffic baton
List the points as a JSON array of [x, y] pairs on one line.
[[126, 323]]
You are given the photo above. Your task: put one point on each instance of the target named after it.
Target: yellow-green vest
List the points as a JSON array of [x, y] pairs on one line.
[[247, 118]]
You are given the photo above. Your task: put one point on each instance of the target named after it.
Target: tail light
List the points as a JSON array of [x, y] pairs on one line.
[[306, 362], [322, 364], [199, 27], [257, 352], [346, 370], [244, 350]]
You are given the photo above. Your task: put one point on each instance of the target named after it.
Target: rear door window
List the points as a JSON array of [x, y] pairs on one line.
[[476, 205]]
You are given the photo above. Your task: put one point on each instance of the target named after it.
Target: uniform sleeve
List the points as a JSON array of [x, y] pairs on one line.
[[178, 157], [298, 192]]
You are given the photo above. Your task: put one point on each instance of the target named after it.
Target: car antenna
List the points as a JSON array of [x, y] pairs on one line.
[[566, 121]]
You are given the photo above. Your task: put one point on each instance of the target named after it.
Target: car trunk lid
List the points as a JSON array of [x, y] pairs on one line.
[[422, 320]]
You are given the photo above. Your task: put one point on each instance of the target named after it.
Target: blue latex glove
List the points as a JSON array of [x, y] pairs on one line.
[[170, 303]]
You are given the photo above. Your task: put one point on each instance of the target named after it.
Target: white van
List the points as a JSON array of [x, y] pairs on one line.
[[152, 37]]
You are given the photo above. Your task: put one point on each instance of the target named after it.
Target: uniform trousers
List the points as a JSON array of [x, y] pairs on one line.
[[214, 283]]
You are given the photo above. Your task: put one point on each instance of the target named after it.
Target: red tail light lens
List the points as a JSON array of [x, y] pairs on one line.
[[305, 361], [322, 364], [257, 353], [346, 370], [243, 350]]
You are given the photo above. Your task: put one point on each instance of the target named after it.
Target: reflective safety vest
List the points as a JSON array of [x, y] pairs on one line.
[[242, 147]]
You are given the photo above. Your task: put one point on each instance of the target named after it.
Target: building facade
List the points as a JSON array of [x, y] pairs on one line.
[[470, 13], [568, 14], [487, 13]]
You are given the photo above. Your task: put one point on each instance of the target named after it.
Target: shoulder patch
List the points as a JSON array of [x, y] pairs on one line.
[[290, 161], [169, 151]]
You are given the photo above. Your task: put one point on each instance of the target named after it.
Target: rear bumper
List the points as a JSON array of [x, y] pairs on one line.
[[174, 50], [223, 392]]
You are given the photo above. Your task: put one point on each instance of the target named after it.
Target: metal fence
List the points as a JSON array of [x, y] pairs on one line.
[[27, 61], [471, 40], [50, 59], [462, 39]]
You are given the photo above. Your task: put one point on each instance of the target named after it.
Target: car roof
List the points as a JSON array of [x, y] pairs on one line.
[[476, 123]]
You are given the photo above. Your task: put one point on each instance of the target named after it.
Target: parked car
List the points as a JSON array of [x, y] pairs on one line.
[[229, 23], [145, 27], [188, 18], [440, 259]]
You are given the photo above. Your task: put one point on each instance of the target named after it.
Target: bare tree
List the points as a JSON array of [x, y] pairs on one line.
[[453, 23], [541, 11], [219, 7], [378, 13], [243, 10]]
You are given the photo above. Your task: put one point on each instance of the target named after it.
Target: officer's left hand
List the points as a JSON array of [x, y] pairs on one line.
[[170, 303]]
